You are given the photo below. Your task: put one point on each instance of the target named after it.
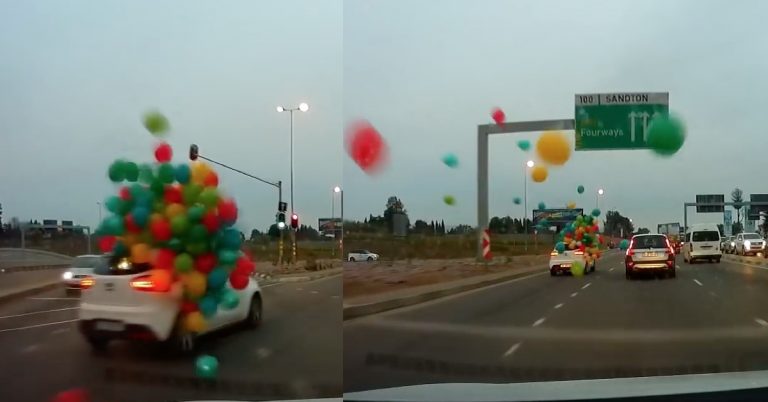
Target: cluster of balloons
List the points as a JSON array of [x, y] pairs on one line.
[[366, 147], [582, 234], [174, 217]]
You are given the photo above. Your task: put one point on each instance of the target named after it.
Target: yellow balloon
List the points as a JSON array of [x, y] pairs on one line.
[[155, 217], [571, 205], [129, 239], [194, 322], [140, 253], [539, 174], [174, 210], [553, 147], [577, 269], [194, 284], [199, 172]]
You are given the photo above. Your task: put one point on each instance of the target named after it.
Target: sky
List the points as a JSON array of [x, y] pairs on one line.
[[76, 77], [427, 73]]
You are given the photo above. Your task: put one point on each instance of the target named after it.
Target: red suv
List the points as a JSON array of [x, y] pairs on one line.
[[650, 253]]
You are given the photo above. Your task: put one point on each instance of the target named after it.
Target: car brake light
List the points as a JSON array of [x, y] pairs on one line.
[[87, 282], [147, 283], [553, 253], [579, 252]]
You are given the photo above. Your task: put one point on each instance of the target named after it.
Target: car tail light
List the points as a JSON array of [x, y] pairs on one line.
[[670, 250], [579, 252], [147, 283], [87, 282], [553, 253]]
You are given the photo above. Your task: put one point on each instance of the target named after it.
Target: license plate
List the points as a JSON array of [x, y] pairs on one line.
[[650, 255], [110, 326]]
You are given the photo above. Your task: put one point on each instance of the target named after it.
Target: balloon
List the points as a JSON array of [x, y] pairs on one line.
[[449, 200], [238, 281], [524, 145], [197, 248], [205, 263], [146, 174], [366, 147], [72, 395], [164, 259], [227, 257], [571, 205], [451, 160], [498, 115], [163, 152], [560, 247], [107, 243], [194, 322], [117, 171], [194, 284], [199, 171], [542, 205], [227, 211], [211, 179], [188, 306], [131, 171], [130, 225], [577, 269], [539, 174], [624, 244], [172, 195], [207, 366], [190, 193], [176, 245], [124, 193], [211, 221], [198, 233], [156, 123], [120, 249], [174, 210], [517, 200], [195, 213], [208, 305], [166, 173], [113, 204], [163, 279], [113, 225], [666, 135], [160, 229], [553, 147], [140, 216], [217, 278], [595, 212], [244, 265], [230, 239], [157, 187], [209, 197], [183, 262], [229, 299], [179, 224], [580, 189], [183, 173]]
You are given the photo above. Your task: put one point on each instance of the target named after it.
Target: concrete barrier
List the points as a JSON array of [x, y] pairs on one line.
[[19, 283]]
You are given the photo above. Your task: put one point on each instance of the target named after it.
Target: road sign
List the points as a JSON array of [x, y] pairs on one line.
[[728, 221], [282, 206], [556, 216], [487, 244], [754, 210], [617, 120], [709, 198]]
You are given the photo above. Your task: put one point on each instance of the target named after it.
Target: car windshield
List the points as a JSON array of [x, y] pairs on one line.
[[752, 236], [87, 261], [706, 235], [649, 242]]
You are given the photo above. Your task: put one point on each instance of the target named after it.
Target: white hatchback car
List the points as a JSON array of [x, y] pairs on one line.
[[120, 301], [563, 262], [82, 267], [362, 255]]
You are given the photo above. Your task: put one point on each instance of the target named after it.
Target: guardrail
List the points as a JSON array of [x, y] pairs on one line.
[[13, 270]]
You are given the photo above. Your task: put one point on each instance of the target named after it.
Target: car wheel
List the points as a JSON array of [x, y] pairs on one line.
[[180, 343], [255, 313], [552, 272], [370, 258], [717, 260], [593, 266], [351, 259], [628, 274], [671, 273]]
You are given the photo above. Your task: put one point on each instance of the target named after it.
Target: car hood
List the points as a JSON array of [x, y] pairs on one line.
[[287, 400], [586, 390]]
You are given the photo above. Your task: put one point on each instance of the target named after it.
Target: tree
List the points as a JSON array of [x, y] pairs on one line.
[[617, 225], [737, 228], [274, 231], [255, 233], [421, 227], [737, 196], [394, 206], [643, 231]]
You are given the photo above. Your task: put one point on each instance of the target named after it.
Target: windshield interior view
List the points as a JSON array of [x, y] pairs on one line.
[[383, 200]]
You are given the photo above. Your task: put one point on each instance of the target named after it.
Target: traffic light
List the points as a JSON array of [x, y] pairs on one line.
[[294, 221], [281, 220], [193, 152]]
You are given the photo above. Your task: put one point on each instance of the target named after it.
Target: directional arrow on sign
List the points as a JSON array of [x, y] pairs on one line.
[[645, 116], [632, 116]]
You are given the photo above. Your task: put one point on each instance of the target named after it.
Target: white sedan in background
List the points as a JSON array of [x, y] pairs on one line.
[[362, 255], [82, 267]]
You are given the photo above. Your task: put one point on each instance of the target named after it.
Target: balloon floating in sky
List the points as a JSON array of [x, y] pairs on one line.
[[207, 366], [451, 160], [595, 212], [666, 135], [517, 200], [366, 147], [449, 200], [524, 145], [498, 115], [580, 189], [571, 205], [553, 147], [156, 123], [539, 174], [624, 244], [542, 205]]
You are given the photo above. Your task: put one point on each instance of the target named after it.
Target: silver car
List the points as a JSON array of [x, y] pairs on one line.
[[727, 244], [82, 268]]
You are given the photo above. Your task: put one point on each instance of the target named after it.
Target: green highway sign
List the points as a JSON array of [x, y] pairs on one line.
[[618, 120]]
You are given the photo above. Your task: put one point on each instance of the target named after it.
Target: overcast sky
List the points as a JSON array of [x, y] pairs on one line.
[[426, 73], [76, 76]]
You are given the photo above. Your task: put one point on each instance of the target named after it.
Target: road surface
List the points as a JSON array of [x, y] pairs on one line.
[[295, 354], [711, 318]]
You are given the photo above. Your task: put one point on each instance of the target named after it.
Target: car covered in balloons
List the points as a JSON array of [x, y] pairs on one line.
[[568, 260], [578, 248]]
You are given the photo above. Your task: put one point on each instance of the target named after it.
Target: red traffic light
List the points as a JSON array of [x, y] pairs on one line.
[[294, 221]]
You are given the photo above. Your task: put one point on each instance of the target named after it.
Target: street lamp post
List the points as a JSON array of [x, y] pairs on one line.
[[99, 204], [530, 164], [597, 197], [303, 107], [338, 189]]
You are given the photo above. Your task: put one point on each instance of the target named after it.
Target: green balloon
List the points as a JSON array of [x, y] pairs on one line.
[[158, 206], [190, 193], [146, 174], [114, 225], [156, 123], [120, 250], [580, 189], [666, 135], [542, 205], [179, 225], [166, 173], [117, 171], [229, 299], [230, 239], [197, 248], [113, 204], [228, 257], [183, 262], [207, 367], [209, 197], [131, 171], [195, 213], [198, 233], [157, 187], [176, 245]]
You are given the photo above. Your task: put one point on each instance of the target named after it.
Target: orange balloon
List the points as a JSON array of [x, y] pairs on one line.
[[140, 253], [211, 179], [539, 174], [553, 147], [162, 279], [173, 210], [194, 283], [200, 171], [129, 239], [194, 322]]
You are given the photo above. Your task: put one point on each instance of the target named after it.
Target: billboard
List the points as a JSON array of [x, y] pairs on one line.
[[50, 225], [66, 226], [754, 210], [328, 225], [669, 228], [709, 198], [556, 216]]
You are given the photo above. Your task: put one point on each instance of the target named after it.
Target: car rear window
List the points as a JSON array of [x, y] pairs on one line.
[[87, 262], [649, 242], [120, 266], [752, 236], [706, 235]]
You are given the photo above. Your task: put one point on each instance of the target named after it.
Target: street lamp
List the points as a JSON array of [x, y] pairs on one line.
[[597, 197], [338, 189], [99, 204], [303, 107], [530, 164]]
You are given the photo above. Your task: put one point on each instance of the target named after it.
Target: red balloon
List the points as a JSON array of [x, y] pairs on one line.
[[173, 195], [227, 211], [125, 193], [161, 230], [164, 258], [205, 263], [238, 281], [188, 307], [211, 221], [244, 266], [498, 115], [582, 247], [211, 180], [163, 152], [107, 243], [130, 224], [366, 146], [72, 395]]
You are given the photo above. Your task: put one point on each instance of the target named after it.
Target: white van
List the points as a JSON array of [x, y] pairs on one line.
[[702, 242]]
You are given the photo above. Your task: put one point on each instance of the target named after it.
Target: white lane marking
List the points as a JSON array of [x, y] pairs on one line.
[[610, 269], [334, 297], [59, 331], [511, 350], [299, 289], [761, 322], [30, 348], [37, 326], [586, 286], [39, 312], [697, 282], [263, 353], [539, 321], [269, 285], [314, 292], [559, 305], [677, 266], [53, 298], [574, 294]]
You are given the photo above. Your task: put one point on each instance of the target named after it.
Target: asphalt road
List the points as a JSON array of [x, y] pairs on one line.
[[711, 318], [296, 353]]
